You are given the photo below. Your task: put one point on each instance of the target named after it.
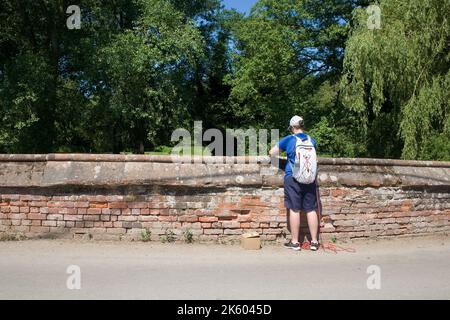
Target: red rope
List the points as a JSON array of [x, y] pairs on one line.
[[328, 246]]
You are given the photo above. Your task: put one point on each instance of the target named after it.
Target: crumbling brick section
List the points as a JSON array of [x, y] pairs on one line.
[[129, 196]]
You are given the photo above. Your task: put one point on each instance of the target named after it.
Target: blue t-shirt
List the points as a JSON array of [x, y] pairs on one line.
[[288, 144]]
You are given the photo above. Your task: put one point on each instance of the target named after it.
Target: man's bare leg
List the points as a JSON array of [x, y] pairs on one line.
[[294, 221], [313, 223]]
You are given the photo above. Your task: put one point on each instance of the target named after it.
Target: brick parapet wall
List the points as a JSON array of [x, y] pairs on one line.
[[118, 197]]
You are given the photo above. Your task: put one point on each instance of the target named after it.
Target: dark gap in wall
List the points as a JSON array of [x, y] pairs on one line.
[[429, 188], [117, 190]]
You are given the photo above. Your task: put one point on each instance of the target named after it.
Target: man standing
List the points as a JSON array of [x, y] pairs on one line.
[[298, 196]]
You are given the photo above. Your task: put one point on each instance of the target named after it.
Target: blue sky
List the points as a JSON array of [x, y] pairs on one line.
[[241, 5]]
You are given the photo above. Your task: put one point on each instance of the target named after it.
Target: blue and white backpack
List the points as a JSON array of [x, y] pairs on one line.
[[304, 169]]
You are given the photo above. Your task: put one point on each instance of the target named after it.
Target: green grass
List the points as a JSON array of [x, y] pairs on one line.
[[188, 236], [168, 237], [146, 235]]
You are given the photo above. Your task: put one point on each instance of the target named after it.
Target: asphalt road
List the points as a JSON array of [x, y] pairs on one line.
[[403, 268]]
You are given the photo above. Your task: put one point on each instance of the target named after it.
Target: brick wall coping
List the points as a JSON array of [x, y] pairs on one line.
[[209, 159]]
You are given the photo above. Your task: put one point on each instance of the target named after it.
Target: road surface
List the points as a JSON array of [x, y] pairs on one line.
[[393, 269]]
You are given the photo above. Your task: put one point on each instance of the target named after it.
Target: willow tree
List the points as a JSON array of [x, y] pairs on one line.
[[397, 77]]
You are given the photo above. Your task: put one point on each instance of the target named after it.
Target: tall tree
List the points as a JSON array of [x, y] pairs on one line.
[[47, 72], [114, 84], [145, 67], [285, 51]]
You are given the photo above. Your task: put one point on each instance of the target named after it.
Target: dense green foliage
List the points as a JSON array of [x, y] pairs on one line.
[[398, 79], [137, 70]]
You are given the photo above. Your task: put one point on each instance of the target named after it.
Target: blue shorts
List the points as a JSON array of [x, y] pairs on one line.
[[299, 196]]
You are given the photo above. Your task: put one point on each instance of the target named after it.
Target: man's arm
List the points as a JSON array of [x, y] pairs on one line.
[[274, 151]]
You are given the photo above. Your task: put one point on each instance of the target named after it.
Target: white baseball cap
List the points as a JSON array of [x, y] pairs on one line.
[[295, 121]]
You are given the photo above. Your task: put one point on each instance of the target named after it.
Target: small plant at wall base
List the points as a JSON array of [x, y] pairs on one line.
[[188, 236], [12, 237], [146, 235], [168, 236]]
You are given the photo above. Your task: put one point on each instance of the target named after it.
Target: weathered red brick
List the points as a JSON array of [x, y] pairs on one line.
[[188, 218], [14, 209], [231, 224], [167, 218], [49, 223], [91, 217], [116, 230], [24, 209], [337, 192], [20, 228], [26, 222], [36, 222], [148, 218], [44, 210], [73, 217], [128, 218], [208, 219], [98, 205], [232, 231], [70, 224], [39, 229], [213, 231], [98, 198], [38, 203], [118, 205], [80, 224], [5, 209], [17, 216], [138, 205], [67, 211], [37, 216], [94, 211], [81, 204]]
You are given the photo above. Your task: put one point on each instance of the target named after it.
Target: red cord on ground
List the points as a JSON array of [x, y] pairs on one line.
[[328, 246]]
